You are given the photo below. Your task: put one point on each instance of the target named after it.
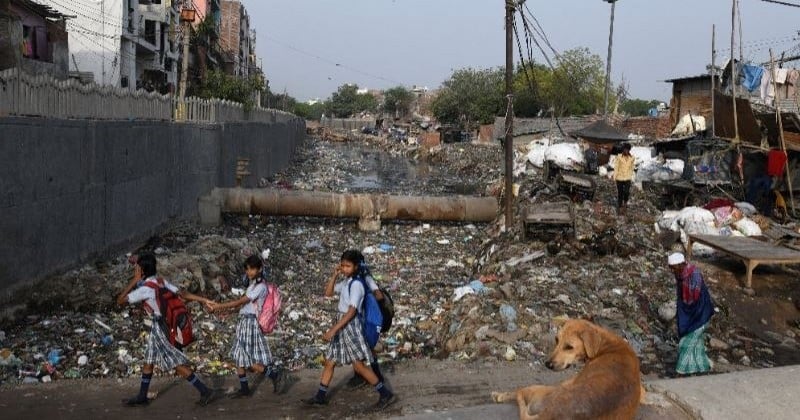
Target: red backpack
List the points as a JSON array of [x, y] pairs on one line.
[[268, 315], [177, 319]]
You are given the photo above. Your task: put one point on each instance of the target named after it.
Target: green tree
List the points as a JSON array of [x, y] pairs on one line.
[[281, 101], [638, 107], [222, 86], [398, 100], [529, 100], [577, 84], [309, 112], [471, 96], [346, 101]]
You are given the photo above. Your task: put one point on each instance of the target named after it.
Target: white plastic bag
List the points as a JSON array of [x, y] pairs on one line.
[[746, 208], [565, 155], [748, 227], [536, 152]]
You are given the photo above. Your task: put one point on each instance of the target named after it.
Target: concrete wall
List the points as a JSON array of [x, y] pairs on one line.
[[72, 190], [347, 123]]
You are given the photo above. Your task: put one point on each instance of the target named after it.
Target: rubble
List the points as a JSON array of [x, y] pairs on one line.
[[461, 291]]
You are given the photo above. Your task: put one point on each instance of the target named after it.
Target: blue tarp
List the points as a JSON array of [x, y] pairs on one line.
[[752, 77]]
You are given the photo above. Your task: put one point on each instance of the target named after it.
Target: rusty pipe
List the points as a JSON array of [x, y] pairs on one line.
[[387, 207]]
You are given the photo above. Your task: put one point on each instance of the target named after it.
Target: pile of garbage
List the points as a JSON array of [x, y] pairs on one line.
[[73, 316], [570, 156], [612, 271], [461, 291], [724, 219]]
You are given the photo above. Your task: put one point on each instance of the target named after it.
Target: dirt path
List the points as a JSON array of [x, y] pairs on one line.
[[423, 386]]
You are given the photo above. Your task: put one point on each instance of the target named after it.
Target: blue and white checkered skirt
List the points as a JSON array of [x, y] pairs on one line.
[[250, 346], [349, 345], [160, 351]]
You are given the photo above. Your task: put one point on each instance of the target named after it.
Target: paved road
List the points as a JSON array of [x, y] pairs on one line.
[[428, 389], [756, 394]]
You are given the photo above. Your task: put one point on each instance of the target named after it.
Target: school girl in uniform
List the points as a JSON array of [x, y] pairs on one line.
[[160, 352], [357, 381], [250, 348], [346, 336]]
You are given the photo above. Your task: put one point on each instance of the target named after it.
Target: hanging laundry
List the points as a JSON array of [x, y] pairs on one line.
[[776, 161], [767, 90], [791, 83], [752, 77], [780, 76]]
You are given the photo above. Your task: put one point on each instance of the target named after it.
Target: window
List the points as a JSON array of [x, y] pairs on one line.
[[29, 42], [150, 31]]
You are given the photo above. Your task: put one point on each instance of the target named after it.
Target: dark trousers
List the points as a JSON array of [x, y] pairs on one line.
[[623, 193]]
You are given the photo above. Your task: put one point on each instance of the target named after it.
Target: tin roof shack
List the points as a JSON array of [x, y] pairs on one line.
[[33, 37], [690, 95], [601, 137]]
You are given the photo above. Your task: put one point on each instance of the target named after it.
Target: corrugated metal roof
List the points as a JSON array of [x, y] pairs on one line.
[[601, 131], [525, 126], [685, 78]]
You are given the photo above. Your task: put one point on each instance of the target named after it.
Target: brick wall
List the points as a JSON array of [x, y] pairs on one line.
[[651, 128], [430, 139], [696, 104], [230, 26], [486, 133]]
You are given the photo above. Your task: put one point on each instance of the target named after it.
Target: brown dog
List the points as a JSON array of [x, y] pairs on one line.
[[608, 386]]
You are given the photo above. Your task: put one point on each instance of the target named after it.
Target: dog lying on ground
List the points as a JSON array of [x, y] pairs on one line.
[[608, 386]]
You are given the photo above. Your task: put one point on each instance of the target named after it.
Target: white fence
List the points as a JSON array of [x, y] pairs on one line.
[[43, 96], [218, 110], [27, 95]]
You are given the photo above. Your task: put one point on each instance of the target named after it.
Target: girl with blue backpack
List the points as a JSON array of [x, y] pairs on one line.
[[372, 287], [250, 349], [347, 340]]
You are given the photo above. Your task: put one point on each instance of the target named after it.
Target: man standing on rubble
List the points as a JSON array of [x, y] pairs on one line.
[[694, 310], [623, 175]]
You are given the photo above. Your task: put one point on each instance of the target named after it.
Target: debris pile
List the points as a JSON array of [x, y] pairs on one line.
[[461, 291]]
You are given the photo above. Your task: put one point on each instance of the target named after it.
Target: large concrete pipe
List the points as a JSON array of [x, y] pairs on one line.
[[361, 206]]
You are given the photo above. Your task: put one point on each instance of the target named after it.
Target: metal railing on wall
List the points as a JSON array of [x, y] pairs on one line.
[[26, 95]]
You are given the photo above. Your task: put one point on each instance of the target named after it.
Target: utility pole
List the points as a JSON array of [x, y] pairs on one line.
[[103, 39], [509, 140], [608, 58], [187, 17], [733, 75], [713, 79]]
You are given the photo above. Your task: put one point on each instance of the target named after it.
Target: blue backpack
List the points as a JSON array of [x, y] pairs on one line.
[[370, 314]]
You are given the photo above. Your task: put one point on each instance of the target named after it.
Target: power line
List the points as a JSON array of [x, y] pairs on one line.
[[83, 13], [782, 3], [331, 62]]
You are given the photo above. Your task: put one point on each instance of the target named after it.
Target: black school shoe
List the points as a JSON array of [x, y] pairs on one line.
[[135, 402], [205, 399], [315, 401], [386, 401], [278, 379]]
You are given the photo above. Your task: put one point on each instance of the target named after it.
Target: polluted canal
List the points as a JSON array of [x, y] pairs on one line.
[[466, 294]]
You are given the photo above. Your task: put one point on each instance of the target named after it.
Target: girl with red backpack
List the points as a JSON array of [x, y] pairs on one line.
[[250, 349], [160, 350]]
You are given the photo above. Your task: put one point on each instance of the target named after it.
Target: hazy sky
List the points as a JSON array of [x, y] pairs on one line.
[[382, 43]]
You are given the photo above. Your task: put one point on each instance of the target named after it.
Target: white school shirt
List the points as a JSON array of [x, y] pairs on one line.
[[346, 299], [257, 293], [371, 284], [148, 295]]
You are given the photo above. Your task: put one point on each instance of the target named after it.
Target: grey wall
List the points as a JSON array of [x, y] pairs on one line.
[[71, 190]]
